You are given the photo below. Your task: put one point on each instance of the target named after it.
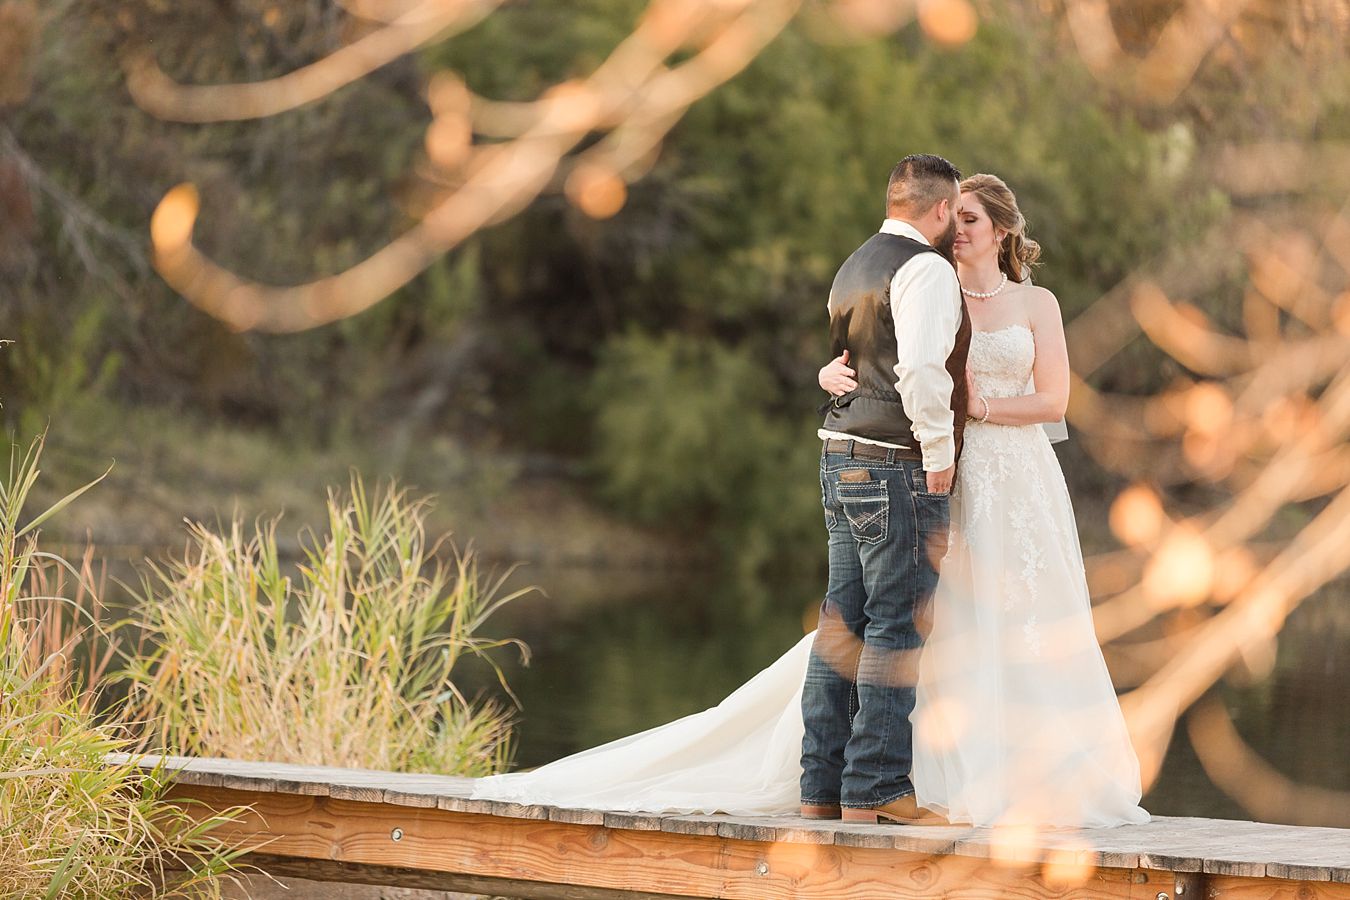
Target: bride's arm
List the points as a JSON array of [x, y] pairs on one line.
[[1050, 372]]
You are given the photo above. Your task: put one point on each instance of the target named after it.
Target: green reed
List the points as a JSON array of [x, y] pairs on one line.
[[71, 823], [345, 659]]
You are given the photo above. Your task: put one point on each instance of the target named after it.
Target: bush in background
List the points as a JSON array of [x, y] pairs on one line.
[[72, 824], [348, 662]]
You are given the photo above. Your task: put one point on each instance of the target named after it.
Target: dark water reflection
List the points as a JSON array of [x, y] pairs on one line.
[[615, 653]]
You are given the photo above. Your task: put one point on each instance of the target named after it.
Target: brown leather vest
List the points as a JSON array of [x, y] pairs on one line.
[[861, 321]]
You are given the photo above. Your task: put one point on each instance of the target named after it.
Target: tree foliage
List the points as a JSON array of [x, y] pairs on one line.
[[634, 343]]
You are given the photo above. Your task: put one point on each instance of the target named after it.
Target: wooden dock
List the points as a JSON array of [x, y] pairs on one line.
[[386, 828]]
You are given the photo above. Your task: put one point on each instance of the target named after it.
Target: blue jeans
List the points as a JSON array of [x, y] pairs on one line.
[[887, 535]]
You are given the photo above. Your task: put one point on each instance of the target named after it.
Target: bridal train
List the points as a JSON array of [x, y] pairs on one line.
[[1016, 720]]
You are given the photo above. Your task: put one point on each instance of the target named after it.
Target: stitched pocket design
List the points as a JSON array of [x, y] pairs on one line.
[[867, 506]]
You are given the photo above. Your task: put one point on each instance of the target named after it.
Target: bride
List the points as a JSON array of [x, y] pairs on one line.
[[1015, 720]]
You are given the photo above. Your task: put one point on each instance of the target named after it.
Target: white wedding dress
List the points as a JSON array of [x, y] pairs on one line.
[[1016, 720]]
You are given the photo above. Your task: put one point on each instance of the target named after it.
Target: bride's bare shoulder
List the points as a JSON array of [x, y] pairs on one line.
[[1039, 306], [1037, 301]]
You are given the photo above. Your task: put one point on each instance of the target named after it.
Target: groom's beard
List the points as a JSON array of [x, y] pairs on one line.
[[946, 242]]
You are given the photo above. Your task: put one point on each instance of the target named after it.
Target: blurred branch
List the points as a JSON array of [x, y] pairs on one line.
[[1262, 413], [431, 20], [1262, 790], [631, 88], [78, 220], [1319, 553], [1195, 29], [1277, 167], [1281, 480]]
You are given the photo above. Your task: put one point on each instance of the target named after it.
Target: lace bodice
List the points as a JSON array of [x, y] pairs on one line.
[[997, 456], [1002, 360]]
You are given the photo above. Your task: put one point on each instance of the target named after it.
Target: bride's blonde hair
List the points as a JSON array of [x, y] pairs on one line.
[[1017, 253]]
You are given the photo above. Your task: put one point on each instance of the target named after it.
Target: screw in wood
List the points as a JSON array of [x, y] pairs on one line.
[[396, 834], [762, 868], [1162, 895]]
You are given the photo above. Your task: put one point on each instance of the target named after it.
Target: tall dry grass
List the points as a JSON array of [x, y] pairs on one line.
[[346, 661], [71, 824]]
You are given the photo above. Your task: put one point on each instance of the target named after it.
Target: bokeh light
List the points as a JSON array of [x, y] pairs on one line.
[[1137, 515], [1015, 844], [597, 191], [949, 23], [1182, 571], [871, 17], [1068, 867], [449, 141], [172, 222]]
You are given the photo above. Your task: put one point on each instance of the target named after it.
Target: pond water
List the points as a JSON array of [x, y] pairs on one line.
[[617, 652]]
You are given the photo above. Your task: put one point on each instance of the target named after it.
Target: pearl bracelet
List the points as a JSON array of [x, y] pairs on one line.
[[984, 418]]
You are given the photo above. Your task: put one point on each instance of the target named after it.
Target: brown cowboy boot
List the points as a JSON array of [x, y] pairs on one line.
[[901, 811], [820, 811]]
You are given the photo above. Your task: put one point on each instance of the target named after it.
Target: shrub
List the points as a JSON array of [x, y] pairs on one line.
[[686, 437], [346, 662], [71, 824]]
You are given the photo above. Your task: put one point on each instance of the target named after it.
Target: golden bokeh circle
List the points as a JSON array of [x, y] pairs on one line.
[[172, 222], [948, 23]]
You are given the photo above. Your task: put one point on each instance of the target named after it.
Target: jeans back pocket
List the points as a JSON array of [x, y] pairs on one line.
[[867, 506]]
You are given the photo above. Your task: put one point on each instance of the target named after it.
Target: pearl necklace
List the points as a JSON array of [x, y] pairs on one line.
[[985, 295]]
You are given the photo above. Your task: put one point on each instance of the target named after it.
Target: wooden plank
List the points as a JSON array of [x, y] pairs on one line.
[[461, 805], [985, 843], [876, 836], [1216, 847], [205, 779], [1236, 887], [1240, 868], [408, 798], [516, 810], [706, 825], [646, 861], [1164, 863], [334, 871], [246, 783], [303, 788], [576, 816], [1295, 872], [291, 778], [793, 830], [1188, 845], [632, 821], [356, 792], [914, 838]]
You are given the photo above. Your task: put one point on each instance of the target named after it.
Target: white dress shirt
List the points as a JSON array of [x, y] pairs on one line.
[[926, 307]]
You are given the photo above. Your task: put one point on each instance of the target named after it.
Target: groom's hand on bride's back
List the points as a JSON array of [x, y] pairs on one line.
[[837, 378]]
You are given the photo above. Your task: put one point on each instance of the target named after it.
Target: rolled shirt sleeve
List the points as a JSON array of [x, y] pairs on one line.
[[926, 305]]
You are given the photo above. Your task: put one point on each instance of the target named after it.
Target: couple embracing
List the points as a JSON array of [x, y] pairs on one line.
[[979, 696]]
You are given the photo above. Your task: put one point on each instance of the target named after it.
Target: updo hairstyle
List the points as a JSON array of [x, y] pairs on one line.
[[1017, 253]]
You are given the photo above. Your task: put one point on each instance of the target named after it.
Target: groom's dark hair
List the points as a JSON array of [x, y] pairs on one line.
[[918, 181]]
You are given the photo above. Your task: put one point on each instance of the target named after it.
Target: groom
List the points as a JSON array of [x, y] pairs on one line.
[[889, 458]]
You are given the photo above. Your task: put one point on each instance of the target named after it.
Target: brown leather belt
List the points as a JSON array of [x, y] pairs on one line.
[[861, 450]]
